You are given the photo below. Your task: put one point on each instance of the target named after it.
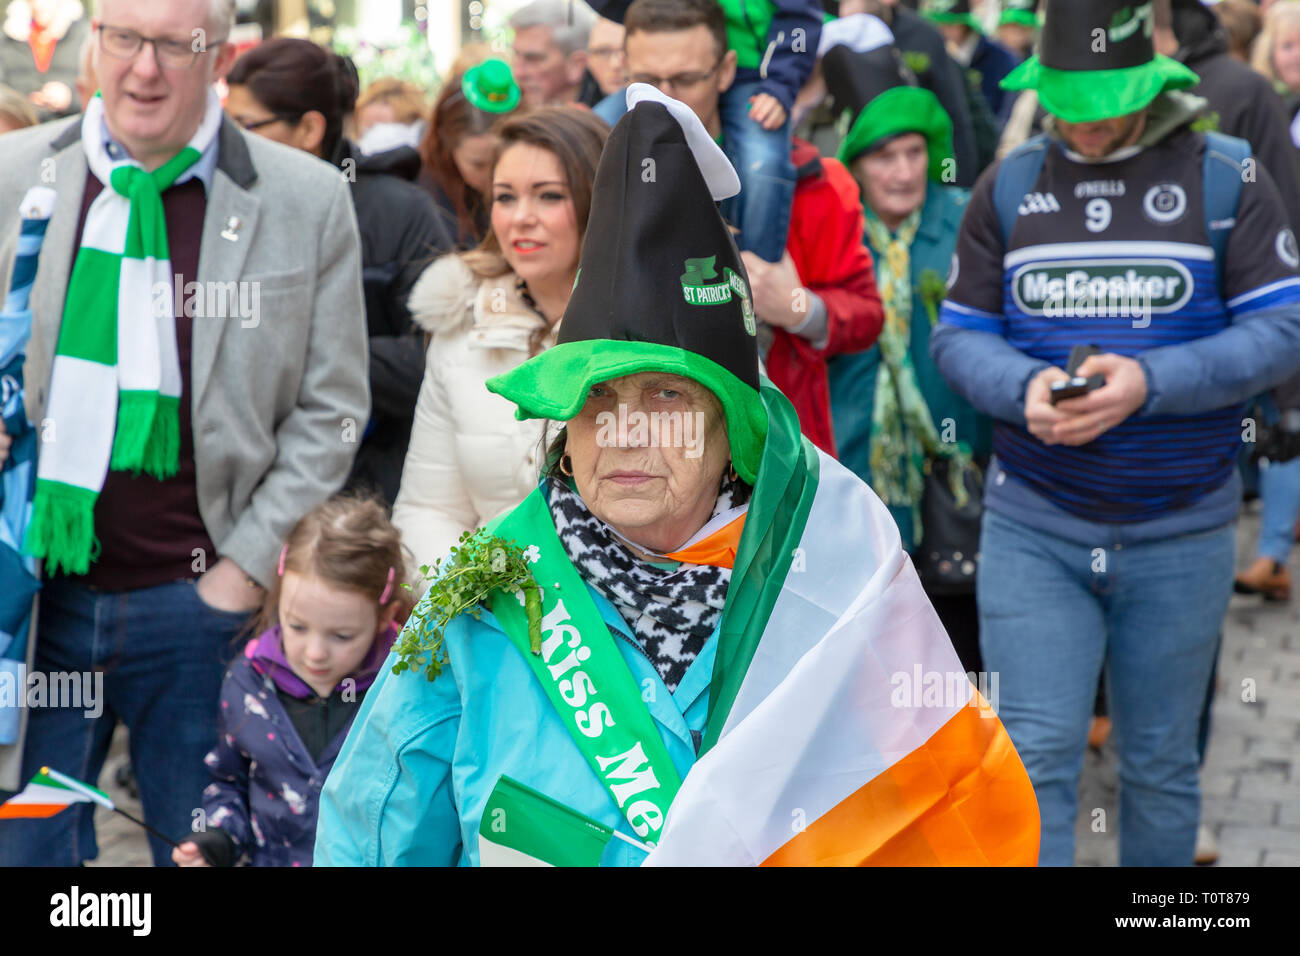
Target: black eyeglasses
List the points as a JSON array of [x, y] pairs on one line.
[[258, 124], [682, 81], [170, 52]]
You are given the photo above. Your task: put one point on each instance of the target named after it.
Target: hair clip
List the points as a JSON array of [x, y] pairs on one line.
[[283, 552], [388, 588]]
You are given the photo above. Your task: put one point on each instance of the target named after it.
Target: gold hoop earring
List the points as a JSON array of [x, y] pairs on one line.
[[567, 472]]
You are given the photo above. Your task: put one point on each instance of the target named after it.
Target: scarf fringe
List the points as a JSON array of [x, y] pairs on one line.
[[148, 435], [62, 528]]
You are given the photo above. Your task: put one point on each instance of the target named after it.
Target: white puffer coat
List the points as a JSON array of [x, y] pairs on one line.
[[469, 459]]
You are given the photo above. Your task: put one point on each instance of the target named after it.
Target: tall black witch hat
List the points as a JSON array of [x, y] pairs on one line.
[[660, 284]]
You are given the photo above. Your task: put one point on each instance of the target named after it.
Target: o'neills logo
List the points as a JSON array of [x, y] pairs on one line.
[[1102, 287], [626, 775]]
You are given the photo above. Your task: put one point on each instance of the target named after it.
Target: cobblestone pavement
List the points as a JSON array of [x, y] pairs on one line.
[[1250, 782]]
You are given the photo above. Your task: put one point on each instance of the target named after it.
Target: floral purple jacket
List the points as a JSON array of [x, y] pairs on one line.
[[266, 787]]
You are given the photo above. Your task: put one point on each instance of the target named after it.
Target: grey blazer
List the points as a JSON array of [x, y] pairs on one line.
[[279, 399]]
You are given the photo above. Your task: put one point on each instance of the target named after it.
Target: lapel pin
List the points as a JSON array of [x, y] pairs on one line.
[[231, 232]]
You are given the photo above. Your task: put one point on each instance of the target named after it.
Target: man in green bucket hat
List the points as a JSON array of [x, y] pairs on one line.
[[1107, 533]]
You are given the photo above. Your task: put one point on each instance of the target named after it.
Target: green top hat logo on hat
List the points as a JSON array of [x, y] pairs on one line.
[[491, 87]]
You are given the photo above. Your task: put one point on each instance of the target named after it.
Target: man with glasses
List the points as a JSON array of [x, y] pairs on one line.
[[748, 60], [197, 373], [605, 56], [817, 297]]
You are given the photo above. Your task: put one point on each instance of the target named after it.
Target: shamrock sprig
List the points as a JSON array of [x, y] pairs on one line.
[[480, 564], [934, 289]]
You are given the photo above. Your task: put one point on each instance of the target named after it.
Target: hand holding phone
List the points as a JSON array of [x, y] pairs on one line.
[[1077, 384]]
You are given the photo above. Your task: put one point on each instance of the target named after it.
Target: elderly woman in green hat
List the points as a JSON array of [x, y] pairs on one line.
[[898, 425], [688, 634]]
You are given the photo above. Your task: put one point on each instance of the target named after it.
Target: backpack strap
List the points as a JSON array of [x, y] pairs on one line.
[[1221, 181], [1016, 176]]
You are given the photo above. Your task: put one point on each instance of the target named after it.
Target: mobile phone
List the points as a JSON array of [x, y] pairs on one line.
[[1076, 385]]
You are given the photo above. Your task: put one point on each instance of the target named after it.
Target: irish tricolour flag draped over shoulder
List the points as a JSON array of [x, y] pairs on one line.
[[818, 752], [115, 385]]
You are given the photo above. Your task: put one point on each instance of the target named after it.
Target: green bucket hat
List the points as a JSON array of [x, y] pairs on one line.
[[951, 11], [1023, 12], [880, 92], [1096, 61], [661, 286], [491, 87]]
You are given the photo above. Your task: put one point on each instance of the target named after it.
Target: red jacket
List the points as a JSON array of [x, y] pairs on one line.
[[826, 246]]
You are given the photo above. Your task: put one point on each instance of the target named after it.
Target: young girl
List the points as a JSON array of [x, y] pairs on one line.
[[287, 702]]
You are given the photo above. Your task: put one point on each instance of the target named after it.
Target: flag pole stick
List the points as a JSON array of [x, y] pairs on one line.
[[160, 836]]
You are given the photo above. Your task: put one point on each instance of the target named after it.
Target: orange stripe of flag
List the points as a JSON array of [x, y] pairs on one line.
[[16, 811], [961, 799], [717, 549]]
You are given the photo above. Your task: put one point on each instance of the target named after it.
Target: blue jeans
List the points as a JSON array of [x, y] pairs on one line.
[[1279, 489], [162, 652], [762, 159], [1052, 612]]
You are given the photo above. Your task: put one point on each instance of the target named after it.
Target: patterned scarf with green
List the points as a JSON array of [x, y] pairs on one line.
[[115, 384], [903, 436]]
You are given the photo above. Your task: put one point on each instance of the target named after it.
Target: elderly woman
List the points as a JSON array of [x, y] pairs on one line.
[[899, 426], [689, 644]]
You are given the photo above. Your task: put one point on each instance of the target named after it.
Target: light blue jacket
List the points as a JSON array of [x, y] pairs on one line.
[[409, 786]]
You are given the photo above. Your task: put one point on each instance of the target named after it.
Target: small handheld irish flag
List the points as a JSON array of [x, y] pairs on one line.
[[521, 827], [50, 792]]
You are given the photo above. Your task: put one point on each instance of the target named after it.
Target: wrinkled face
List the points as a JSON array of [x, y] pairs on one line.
[[544, 74], [649, 452], [152, 109], [533, 215], [1098, 139], [893, 177], [473, 159], [327, 630], [685, 65], [1286, 58]]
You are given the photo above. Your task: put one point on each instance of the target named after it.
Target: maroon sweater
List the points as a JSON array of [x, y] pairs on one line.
[[148, 529]]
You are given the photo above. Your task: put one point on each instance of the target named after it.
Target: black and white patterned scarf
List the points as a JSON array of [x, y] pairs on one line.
[[672, 613]]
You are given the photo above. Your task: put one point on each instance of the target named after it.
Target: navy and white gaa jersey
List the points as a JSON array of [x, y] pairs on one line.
[[1117, 255]]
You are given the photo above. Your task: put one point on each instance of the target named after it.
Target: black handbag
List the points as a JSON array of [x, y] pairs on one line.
[[948, 555]]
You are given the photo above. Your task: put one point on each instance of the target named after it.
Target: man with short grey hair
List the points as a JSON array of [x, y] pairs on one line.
[[550, 53], [197, 370]]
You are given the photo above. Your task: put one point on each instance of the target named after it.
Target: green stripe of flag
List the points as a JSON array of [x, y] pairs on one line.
[[774, 525], [49, 777], [519, 818]]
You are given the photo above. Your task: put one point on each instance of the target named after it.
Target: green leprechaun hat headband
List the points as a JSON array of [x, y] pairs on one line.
[[1023, 12], [660, 284], [491, 87], [883, 96], [951, 11], [1096, 61]]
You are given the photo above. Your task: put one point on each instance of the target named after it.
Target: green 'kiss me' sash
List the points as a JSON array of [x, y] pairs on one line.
[[585, 677]]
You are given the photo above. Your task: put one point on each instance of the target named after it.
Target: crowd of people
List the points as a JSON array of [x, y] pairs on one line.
[[1039, 292]]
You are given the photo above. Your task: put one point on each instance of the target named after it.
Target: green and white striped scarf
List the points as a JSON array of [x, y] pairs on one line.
[[115, 386]]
